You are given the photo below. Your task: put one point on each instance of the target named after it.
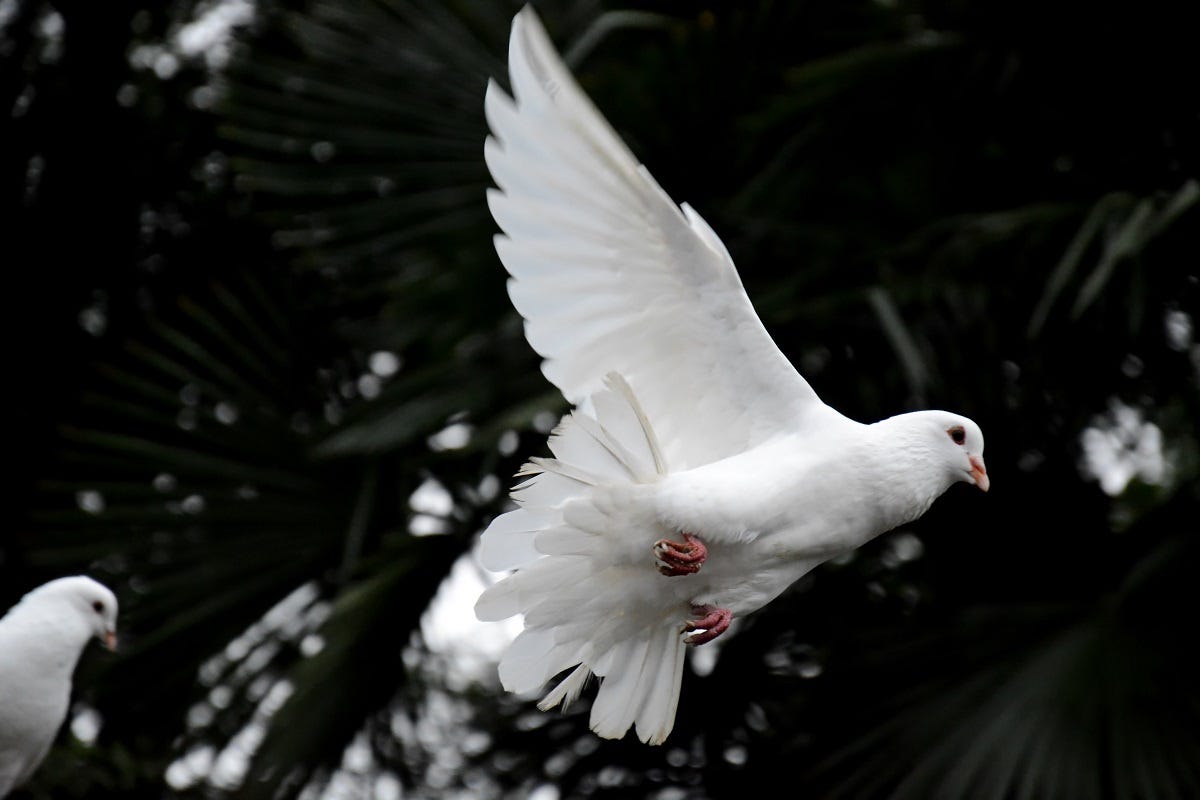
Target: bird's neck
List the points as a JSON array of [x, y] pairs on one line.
[[908, 477], [51, 638]]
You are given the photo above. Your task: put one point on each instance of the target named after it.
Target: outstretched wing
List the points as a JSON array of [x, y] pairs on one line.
[[611, 275]]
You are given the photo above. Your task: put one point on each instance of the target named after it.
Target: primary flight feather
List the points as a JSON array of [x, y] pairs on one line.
[[699, 474]]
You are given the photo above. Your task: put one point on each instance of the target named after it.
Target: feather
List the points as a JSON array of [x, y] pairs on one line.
[[616, 703], [689, 425], [508, 542], [657, 714], [566, 541], [546, 490], [568, 690], [575, 473], [579, 210]]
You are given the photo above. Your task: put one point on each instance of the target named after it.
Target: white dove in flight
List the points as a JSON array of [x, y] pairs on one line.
[[41, 639], [699, 474]]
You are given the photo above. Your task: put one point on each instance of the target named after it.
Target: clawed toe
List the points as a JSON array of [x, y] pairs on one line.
[[710, 620], [673, 558]]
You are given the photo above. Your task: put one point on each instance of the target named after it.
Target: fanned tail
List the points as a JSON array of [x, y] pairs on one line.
[[585, 582]]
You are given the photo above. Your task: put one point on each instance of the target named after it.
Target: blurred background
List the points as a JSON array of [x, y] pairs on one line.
[[269, 387]]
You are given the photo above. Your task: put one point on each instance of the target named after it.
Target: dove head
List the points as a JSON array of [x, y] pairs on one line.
[[929, 451], [952, 441], [79, 604]]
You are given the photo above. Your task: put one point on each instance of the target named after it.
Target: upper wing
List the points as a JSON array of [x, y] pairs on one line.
[[611, 275]]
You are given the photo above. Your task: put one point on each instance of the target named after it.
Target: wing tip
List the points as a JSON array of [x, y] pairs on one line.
[[526, 22], [530, 45]]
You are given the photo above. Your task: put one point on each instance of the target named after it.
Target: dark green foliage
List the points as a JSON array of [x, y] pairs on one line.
[[987, 207]]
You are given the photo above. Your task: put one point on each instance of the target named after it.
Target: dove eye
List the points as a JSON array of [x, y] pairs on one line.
[[98, 607], [958, 435]]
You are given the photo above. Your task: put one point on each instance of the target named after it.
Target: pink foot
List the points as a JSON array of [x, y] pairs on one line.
[[710, 620], [673, 558]]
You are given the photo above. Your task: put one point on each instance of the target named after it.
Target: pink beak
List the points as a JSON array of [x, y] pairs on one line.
[[110, 640], [979, 473]]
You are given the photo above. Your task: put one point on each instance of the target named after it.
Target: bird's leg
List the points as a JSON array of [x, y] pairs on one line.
[[710, 620], [673, 558]]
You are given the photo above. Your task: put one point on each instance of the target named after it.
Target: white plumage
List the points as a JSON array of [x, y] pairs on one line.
[[41, 639], [688, 420]]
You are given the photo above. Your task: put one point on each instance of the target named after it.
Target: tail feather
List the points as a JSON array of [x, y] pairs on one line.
[[645, 692], [577, 474], [568, 690], [521, 590], [523, 660], [564, 540], [546, 490], [533, 658], [614, 709], [589, 594], [510, 538], [584, 604], [661, 698], [601, 627], [587, 518]]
